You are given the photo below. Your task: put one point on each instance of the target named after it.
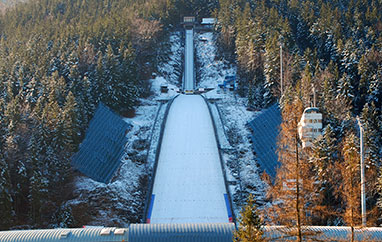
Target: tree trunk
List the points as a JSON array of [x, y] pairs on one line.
[[299, 237], [352, 233]]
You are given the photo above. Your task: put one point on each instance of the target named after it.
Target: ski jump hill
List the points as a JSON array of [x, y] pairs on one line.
[[189, 185]]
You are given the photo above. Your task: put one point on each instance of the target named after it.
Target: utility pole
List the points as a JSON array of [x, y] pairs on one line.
[[281, 68], [363, 195]]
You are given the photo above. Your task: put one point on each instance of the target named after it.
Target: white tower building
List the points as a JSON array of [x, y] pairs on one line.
[[310, 126]]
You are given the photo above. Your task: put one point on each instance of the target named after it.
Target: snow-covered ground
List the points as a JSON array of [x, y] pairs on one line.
[[211, 69], [241, 167], [171, 67], [189, 184], [121, 202]]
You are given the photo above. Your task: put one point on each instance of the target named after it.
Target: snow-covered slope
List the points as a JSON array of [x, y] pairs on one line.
[[189, 185], [230, 110], [189, 61]]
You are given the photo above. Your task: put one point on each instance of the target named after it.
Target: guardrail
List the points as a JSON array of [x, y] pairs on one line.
[[223, 123], [221, 160], [152, 131], [157, 153]]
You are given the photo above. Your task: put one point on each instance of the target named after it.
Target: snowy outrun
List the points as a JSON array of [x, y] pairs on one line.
[[189, 185]]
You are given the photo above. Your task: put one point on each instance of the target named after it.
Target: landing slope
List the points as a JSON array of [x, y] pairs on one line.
[[189, 185]]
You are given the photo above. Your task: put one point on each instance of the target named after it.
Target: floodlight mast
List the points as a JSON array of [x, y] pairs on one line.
[[363, 195], [281, 67]]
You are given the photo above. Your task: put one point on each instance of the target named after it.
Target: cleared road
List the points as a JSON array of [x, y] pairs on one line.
[[189, 185]]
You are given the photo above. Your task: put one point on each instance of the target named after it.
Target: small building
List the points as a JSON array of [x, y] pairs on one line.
[[310, 126], [163, 88], [188, 22], [189, 19], [208, 21]]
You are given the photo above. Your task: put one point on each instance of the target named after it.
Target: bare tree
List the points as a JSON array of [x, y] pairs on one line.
[[293, 193]]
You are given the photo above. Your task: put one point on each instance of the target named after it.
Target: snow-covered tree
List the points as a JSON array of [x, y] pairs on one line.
[[38, 183], [350, 186], [6, 207], [324, 159], [71, 126], [272, 68], [372, 122]]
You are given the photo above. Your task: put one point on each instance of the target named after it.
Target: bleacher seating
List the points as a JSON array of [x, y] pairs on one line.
[[101, 151], [265, 129]]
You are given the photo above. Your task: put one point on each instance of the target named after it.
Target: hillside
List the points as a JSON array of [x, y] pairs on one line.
[[334, 48], [59, 59]]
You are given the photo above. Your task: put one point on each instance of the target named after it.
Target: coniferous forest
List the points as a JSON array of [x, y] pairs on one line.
[[334, 47], [60, 58]]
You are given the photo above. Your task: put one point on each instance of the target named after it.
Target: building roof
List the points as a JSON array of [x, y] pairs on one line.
[[186, 232], [208, 20], [181, 232], [323, 233], [67, 235], [135, 233], [311, 110]]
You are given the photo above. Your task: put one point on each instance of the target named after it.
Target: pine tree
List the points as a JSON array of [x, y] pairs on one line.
[[71, 127], [350, 185], [250, 223], [38, 184], [324, 159], [375, 88], [65, 217], [272, 68], [306, 86], [6, 209], [38, 195], [371, 121], [20, 182], [329, 92], [372, 124], [12, 113], [226, 17], [346, 90]]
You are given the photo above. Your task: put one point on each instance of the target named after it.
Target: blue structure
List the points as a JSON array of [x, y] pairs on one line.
[[228, 81], [101, 151], [265, 129]]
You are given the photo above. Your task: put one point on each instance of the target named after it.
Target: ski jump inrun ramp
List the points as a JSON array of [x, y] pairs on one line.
[[189, 184]]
